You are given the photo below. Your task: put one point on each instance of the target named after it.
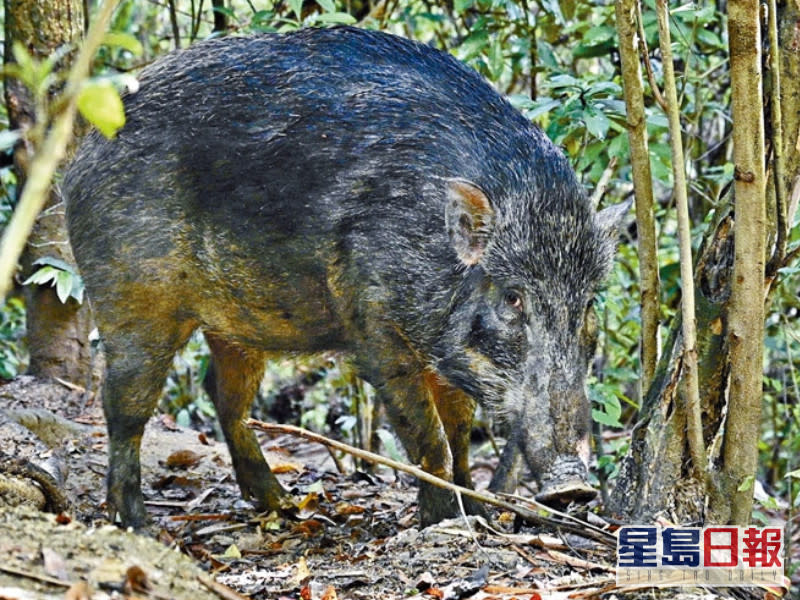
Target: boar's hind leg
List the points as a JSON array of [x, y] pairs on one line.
[[238, 372], [456, 411], [137, 360]]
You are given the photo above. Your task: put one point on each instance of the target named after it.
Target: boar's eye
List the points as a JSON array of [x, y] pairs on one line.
[[513, 299]]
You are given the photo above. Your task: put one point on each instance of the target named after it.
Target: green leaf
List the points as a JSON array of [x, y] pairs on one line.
[[459, 6], [327, 5], [688, 7], [297, 8], [100, 104], [709, 38], [338, 18], [389, 444], [597, 123], [8, 138], [25, 62], [262, 16], [183, 418], [60, 274], [63, 286], [54, 262], [346, 422], [598, 35], [120, 39], [564, 80], [544, 105], [747, 484], [496, 62], [618, 146], [604, 87], [224, 10], [474, 44], [42, 276], [658, 120], [77, 289], [521, 102], [605, 419]]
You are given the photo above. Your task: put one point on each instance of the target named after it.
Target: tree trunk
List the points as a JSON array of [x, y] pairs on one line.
[[789, 35], [220, 18], [654, 479], [57, 332], [746, 314], [643, 190]]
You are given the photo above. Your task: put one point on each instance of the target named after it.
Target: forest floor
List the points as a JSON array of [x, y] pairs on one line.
[[355, 536]]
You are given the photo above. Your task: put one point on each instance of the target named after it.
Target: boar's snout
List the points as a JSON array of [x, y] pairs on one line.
[[565, 482]]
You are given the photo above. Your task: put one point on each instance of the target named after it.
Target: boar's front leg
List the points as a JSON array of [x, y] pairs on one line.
[[414, 418], [404, 387], [456, 410]]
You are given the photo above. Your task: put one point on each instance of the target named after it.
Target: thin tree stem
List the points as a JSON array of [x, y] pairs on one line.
[[693, 416]]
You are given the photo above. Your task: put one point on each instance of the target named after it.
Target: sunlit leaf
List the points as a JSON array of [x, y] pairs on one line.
[[100, 104], [337, 18], [120, 39], [8, 138], [474, 44]]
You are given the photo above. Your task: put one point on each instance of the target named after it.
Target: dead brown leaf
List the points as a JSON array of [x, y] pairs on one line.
[[308, 528], [183, 459], [345, 508], [285, 468], [329, 594], [136, 580], [310, 503]]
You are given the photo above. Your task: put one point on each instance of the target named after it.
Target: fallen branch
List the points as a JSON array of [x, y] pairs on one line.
[[34, 576], [580, 528], [223, 591]]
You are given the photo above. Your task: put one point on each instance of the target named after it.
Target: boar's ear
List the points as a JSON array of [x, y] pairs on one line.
[[609, 220], [469, 217]]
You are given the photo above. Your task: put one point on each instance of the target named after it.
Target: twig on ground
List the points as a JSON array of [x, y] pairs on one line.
[[35, 576], [223, 591], [70, 386], [584, 529]]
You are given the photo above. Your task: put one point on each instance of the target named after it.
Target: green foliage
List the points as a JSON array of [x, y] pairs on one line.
[[62, 276], [183, 395], [12, 328], [100, 104], [39, 76]]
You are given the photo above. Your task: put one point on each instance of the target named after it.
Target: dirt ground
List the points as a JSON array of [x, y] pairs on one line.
[[355, 536]]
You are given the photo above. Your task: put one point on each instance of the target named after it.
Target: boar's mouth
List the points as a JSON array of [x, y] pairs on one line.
[[561, 472]]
